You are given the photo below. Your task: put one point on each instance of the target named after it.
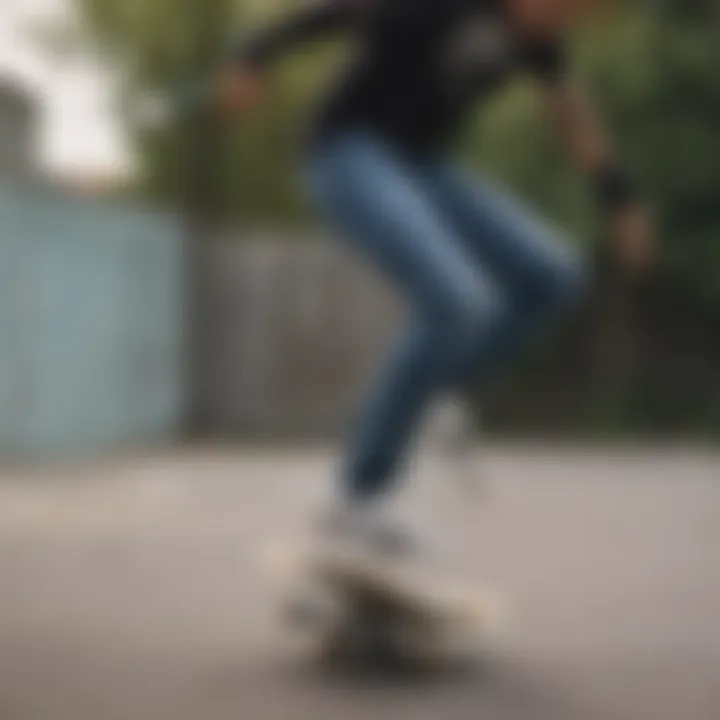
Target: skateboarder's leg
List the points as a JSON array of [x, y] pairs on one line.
[[377, 202], [540, 273]]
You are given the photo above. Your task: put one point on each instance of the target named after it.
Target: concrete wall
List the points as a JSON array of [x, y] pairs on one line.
[[293, 330], [91, 325]]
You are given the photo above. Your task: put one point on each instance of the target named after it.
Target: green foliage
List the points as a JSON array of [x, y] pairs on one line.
[[653, 66]]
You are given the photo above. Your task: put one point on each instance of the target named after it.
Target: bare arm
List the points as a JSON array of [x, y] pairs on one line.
[[241, 81], [583, 134], [578, 125], [311, 21]]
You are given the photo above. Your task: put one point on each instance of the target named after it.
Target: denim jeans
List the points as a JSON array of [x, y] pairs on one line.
[[480, 273]]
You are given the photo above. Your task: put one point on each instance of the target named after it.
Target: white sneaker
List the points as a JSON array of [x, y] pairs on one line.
[[369, 527], [452, 426], [452, 431]]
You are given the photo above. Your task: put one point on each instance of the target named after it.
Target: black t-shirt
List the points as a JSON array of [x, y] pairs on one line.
[[421, 65]]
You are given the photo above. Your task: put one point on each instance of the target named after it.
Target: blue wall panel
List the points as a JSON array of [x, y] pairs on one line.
[[91, 325]]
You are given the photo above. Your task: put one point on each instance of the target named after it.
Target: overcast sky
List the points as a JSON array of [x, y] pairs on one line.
[[78, 132]]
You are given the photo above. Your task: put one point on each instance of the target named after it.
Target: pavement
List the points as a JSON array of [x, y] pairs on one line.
[[129, 589]]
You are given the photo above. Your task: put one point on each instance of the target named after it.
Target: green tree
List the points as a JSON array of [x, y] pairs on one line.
[[652, 64]]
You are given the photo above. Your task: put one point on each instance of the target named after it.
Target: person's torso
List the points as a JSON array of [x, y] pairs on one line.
[[421, 65]]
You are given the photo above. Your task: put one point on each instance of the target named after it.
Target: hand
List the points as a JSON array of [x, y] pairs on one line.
[[239, 89], [633, 239]]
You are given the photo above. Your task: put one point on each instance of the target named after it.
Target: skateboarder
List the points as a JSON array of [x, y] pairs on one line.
[[481, 273]]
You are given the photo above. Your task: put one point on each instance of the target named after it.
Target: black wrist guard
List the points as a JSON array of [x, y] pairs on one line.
[[614, 188]]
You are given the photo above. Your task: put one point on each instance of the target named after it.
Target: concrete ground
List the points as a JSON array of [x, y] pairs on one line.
[[129, 590]]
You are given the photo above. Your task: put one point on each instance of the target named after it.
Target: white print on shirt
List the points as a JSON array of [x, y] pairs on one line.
[[481, 47]]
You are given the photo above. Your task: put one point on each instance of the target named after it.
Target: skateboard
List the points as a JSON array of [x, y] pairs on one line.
[[362, 610]]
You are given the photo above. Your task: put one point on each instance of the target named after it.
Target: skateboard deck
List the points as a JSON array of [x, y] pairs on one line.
[[361, 608]]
